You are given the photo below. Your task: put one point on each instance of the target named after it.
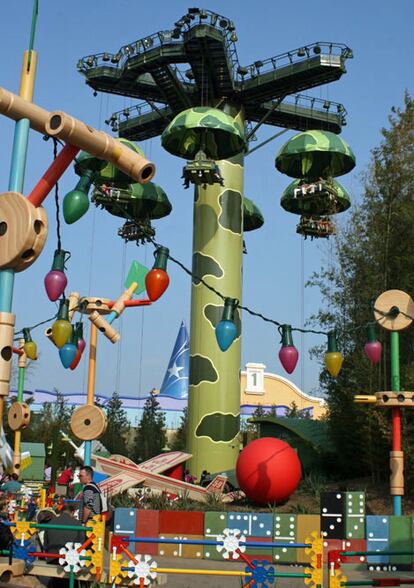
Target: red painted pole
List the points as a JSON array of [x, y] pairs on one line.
[[396, 428], [52, 174]]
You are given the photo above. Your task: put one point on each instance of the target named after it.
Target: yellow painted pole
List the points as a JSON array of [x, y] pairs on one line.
[[28, 76]]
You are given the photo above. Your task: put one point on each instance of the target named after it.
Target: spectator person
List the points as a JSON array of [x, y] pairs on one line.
[[63, 482], [54, 539], [13, 486], [47, 473], [92, 499], [205, 478], [189, 478]]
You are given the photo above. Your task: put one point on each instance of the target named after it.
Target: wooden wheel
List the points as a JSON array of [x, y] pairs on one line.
[[88, 422], [393, 310]]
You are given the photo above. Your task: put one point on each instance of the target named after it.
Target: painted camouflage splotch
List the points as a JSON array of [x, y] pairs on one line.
[[214, 407], [219, 427], [315, 154], [202, 370], [203, 265], [231, 202]]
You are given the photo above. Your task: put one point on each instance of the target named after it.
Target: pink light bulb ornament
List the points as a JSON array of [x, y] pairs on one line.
[[373, 347], [288, 354], [56, 280]]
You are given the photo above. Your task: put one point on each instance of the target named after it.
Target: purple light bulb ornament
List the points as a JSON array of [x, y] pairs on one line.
[[288, 353], [56, 280], [373, 347]]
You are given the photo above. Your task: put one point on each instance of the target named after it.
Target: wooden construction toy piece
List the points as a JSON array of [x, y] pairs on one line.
[[88, 422], [62, 126], [23, 231], [6, 350], [73, 304], [19, 416], [391, 399], [393, 310], [90, 304], [48, 334], [119, 305], [16, 108], [397, 473], [104, 327]]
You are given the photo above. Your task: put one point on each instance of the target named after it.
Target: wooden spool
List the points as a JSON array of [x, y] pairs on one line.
[[390, 300], [48, 334], [104, 327], [19, 416], [88, 422], [23, 231], [89, 304], [397, 473], [6, 350]]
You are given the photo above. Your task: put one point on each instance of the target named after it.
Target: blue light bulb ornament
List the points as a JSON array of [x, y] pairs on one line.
[[226, 330], [68, 352]]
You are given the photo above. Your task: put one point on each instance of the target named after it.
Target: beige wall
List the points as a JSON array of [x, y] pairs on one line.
[[266, 389]]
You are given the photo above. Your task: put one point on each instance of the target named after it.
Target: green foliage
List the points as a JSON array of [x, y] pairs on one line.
[[179, 441], [151, 435], [118, 427], [373, 253], [45, 428]]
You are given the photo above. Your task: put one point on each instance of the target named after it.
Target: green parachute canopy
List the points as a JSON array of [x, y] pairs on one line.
[[315, 154], [138, 201], [210, 130], [252, 217], [333, 198]]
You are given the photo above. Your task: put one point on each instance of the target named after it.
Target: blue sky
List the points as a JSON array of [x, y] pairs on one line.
[[380, 35]]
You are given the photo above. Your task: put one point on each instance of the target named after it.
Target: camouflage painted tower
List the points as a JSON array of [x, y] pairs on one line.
[[186, 75]]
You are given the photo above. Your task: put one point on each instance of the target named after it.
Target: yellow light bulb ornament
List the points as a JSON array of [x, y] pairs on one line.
[[30, 347], [62, 329], [333, 357]]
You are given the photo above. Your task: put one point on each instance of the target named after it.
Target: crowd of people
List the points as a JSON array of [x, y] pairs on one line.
[[85, 500]]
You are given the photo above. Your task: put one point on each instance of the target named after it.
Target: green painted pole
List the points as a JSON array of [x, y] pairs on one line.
[[214, 387], [396, 416]]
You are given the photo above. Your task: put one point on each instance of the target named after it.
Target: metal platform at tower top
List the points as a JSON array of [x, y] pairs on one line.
[[196, 63]]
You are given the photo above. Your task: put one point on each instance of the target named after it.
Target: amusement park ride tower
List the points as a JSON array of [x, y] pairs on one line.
[[194, 67]]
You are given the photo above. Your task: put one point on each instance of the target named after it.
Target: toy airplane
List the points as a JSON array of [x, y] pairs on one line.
[[123, 474]]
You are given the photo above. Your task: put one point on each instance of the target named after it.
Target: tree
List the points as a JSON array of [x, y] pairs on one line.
[[116, 434], [373, 253], [180, 437], [151, 435], [293, 411], [46, 428]]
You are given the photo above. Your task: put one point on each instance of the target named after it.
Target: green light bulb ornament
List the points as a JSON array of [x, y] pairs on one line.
[[62, 329], [76, 202]]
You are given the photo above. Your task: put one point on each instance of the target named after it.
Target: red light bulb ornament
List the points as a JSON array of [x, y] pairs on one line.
[[333, 357], [157, 280], [79, 349], [30, 347], [56, 280], [373, 347], [288, 353], [226, 330], [62, 329]]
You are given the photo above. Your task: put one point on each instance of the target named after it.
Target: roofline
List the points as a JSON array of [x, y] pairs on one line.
[[316, 399]]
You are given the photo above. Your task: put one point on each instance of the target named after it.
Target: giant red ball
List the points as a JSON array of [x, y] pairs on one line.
[[268, 470]]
